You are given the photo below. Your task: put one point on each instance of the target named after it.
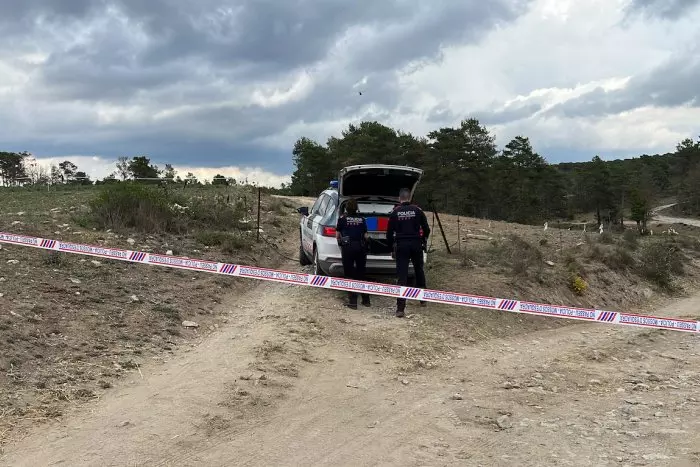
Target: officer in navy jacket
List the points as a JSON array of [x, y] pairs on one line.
[[404, 237], [351, 232]]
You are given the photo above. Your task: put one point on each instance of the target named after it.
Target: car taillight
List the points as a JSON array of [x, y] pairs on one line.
[[328, 231]]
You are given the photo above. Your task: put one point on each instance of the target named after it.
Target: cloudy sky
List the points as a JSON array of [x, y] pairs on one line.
[[229, 85]]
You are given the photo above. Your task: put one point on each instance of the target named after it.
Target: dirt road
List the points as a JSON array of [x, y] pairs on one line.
[[673, 220], [294, 379]]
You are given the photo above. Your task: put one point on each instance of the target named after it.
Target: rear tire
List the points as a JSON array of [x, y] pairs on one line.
[[303, 259]]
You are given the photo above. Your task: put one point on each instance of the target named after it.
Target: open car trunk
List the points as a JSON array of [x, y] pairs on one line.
[[376, 188], [377, 182]]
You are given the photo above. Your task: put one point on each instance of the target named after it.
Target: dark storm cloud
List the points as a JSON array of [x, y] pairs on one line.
[[667, 9], [248, 40], [671, 85], [204, 59]]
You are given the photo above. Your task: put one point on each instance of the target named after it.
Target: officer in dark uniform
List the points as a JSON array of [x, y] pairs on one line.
[[351, 232], [404, 237]]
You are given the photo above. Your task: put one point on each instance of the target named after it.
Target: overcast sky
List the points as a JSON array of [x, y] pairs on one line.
[[225, 85]]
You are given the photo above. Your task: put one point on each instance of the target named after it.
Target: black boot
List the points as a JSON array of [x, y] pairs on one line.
[[400, 313], [365, 301]]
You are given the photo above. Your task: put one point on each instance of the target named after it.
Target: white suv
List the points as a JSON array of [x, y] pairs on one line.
[[376, 188]]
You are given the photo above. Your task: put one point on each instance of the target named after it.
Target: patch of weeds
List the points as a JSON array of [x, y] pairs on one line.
[[84, 394], [156, 209], [688, 243], [574, 267], [606, 238], [84, 221], [595, 252], [660, 261], [517, 253], [269, 348], [631, 239], [619, 260], [168, 311], [54, 259], [229, 242], [544, 241], [469, 259]]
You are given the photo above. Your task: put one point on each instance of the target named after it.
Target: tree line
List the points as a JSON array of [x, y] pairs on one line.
[[22, 169], [467, 174]]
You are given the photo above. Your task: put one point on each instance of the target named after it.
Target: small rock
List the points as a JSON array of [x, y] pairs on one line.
[[635, 419], [659, 414], [124, 424], [594, 381], [211, 328], [654, 378], [96, 263], [457, 397], [130, 241], [504, 422], [190, 324], [2, 295], [537, 376], [169, 252], [404, 382], [2, 279], [12, 261], [134, 298], [511, 385], [75, 281], [21, 213], [263, 377], [641, 387], [373, 425], [549, 263]]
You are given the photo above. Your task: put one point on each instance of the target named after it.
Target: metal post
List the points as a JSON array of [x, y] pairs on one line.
[[258, 233], [444, 237], [459, 238]]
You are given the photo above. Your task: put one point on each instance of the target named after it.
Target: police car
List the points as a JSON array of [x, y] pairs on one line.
[[376, 189]]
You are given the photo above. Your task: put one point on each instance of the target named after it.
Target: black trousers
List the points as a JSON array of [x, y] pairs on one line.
[[354, 262], [409, 251]]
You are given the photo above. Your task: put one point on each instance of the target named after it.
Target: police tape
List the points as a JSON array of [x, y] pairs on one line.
[[373, 288]]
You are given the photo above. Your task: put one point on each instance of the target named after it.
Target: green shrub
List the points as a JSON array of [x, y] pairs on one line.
[[619, 260], [153, 209], [136, 206], [229, 242], [516, 253], [659, 261], [578, 285]]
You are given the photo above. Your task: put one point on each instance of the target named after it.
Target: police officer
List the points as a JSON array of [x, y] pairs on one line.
[[404, 237], [352, 236]]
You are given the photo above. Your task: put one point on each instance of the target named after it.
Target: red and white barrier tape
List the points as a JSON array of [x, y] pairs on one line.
[[410, 293]]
